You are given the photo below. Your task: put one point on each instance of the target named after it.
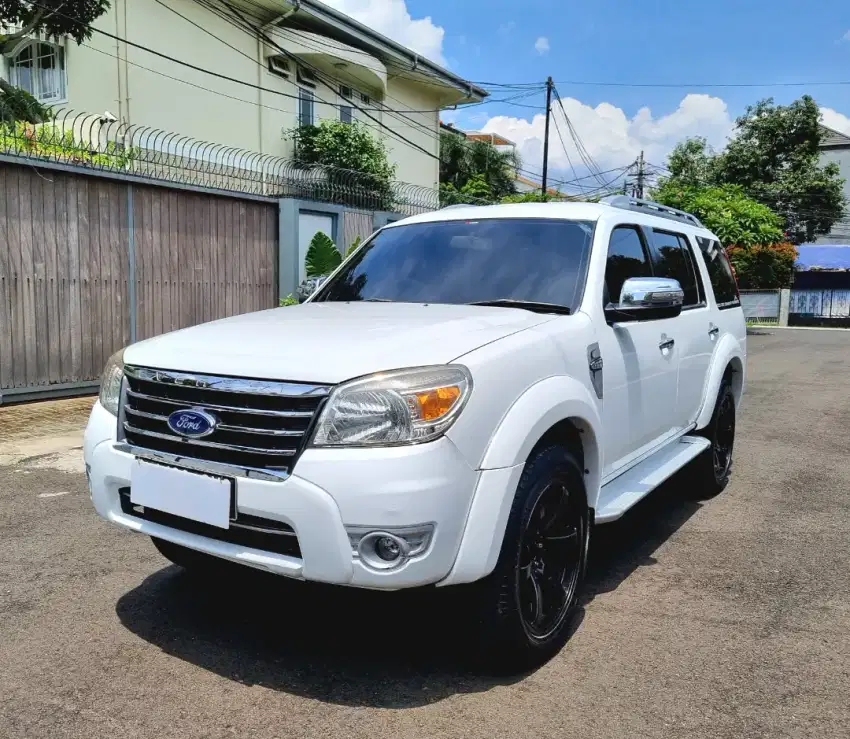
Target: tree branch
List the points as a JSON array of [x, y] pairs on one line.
[[25, 31]]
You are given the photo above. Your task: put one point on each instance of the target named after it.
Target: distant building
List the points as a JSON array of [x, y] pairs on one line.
[[835, 148]]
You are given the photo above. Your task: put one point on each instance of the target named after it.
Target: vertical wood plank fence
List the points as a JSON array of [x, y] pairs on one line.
[[70, 245]]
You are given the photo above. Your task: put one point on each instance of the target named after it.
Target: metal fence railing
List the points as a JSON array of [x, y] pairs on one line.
[[94, 142], [761, 307], [824, 303]]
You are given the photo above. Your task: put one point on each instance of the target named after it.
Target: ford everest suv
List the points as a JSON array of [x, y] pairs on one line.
[[457, 404]]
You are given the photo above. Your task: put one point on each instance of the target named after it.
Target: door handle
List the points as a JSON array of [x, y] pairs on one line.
[[666, 343], [713, 331]]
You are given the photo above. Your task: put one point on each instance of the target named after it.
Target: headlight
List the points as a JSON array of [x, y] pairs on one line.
[[110, 383], [390, 408]]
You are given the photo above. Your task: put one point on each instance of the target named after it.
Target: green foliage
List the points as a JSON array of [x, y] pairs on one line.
[[18, 105], [344, 145], [288, 300], [51, 142], [476, 168], [358, 163], [322, 255], [767, 266], [354, 246], [526, 197], [50, 17], [774, 158], [726, 210]]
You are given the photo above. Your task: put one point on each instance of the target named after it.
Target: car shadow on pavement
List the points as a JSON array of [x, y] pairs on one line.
[[619, 548], [353, 647]]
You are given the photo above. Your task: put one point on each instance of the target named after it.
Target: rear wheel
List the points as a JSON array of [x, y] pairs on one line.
[[526, 604], [712, 468]]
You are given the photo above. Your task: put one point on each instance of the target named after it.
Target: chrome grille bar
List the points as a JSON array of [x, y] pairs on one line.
[[209, 444], [227, 384], [215, 407], [221, 426]]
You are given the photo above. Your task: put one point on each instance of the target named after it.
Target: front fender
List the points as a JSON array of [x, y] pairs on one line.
[[728, 351], [541, 407]]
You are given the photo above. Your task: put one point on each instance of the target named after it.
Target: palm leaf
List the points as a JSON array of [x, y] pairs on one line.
[[322, 256]]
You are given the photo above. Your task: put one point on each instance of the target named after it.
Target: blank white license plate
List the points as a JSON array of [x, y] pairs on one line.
[[197, 497]]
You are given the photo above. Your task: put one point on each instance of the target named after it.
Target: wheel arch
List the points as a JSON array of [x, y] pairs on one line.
[[728, 362], [534, 420]]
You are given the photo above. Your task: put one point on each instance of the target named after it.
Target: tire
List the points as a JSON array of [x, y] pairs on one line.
[[189, 559], [710, 471], [519, 630]]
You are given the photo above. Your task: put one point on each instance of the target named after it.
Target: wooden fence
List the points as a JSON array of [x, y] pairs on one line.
[[70, 246]]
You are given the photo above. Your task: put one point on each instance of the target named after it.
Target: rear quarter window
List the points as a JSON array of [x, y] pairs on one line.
[[719, 273]]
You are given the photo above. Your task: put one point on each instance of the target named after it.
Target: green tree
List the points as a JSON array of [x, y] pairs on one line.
[[358, 164], [22, 18], [725, 210], [774, 158], [463, 161]]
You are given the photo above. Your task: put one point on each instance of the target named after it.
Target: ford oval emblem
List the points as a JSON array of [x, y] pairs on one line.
[[192, 422]]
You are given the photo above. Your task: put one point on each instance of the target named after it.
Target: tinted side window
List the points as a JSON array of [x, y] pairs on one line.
[[626, 258], [720, 273], [676, 263]]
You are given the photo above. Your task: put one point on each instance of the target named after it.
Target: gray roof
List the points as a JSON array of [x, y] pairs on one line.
[[833, 138]]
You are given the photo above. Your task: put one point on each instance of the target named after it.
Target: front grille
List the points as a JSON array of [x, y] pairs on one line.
[[247, 531], [262, 425]]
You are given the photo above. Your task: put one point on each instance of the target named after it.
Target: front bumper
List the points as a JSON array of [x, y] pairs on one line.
[[331, 489]]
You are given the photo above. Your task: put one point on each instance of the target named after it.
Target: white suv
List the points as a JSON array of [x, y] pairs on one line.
[[459, 402]]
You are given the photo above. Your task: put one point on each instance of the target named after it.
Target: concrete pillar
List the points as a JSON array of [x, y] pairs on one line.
[[784, 305]]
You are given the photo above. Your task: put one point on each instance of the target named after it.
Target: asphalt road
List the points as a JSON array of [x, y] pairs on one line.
[[728, 619]]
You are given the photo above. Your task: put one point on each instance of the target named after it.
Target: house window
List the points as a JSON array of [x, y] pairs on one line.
[[345, 113], [365, 98], [39, 68], [306, 107]]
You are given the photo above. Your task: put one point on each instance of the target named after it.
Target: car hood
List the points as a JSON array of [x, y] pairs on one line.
[[331, 342]]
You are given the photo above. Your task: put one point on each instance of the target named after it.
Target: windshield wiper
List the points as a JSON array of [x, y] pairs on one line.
[[531, 305]]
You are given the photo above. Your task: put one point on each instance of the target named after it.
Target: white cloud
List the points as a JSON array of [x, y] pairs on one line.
[[542, 45], [845, 37], [391, 18], [835, 120], [610, 137]]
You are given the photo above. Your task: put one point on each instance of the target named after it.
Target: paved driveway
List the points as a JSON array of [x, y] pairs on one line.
[[728, 619]]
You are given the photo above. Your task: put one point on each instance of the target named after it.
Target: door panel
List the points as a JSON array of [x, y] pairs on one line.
[[639, 404], [640, 385]]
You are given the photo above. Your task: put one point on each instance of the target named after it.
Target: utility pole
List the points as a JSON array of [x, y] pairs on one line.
[[641, 175], [549, 86]]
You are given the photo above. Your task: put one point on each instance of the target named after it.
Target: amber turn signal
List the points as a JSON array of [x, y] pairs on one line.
[[436, 403]]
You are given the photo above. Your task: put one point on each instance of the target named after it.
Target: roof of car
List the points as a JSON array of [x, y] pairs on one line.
[[574, 211]]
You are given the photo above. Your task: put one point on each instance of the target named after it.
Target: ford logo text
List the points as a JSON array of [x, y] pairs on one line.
[[193, 423]]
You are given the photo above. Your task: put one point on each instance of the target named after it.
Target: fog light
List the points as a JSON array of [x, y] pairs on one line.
[[387, 548]]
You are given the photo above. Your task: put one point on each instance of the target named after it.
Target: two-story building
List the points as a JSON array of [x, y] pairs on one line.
[[243, 73]]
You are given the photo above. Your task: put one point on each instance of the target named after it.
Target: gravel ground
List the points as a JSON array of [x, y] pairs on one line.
[[727, 619]]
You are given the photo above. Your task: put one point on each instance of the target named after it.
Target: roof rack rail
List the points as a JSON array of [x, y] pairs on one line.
[[458, 205], [650, 207]]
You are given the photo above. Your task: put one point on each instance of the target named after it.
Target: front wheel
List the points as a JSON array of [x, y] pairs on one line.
[[526, 604]]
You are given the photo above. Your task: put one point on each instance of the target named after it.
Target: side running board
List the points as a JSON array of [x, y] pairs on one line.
[[624, 491]]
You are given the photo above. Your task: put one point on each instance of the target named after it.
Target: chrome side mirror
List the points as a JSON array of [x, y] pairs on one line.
[[646, 298], [308, 287]]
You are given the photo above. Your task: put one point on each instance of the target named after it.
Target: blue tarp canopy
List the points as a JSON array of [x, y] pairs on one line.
[[825, 256]]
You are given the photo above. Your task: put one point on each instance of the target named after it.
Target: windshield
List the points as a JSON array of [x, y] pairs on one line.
[[519, 259]]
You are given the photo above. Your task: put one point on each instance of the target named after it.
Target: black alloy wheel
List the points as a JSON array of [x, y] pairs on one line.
[[550, 560], [525, 608], [710, 471]]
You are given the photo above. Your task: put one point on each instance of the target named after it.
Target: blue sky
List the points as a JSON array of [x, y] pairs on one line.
[[622, 41]]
